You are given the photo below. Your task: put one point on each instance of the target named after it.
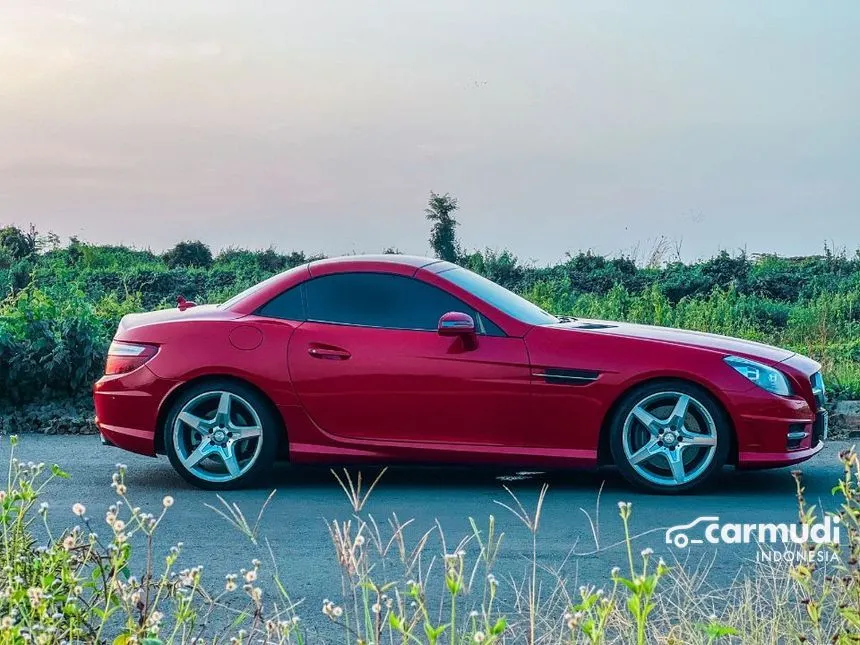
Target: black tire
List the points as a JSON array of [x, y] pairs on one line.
[[259, 457], [702, 405]]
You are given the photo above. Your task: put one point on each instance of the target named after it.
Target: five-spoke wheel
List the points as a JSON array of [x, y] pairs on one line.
[[669, 437], [220, 435]]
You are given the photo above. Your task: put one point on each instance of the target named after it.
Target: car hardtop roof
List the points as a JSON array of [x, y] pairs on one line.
[[414, 261], [408, 265]]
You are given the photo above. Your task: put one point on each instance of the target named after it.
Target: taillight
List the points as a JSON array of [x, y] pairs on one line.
[[127, 357]]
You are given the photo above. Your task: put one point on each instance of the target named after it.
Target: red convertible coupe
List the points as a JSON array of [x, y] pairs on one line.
[[405, 359]]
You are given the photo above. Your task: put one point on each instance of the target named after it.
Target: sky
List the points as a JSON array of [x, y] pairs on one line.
[[323, 126]]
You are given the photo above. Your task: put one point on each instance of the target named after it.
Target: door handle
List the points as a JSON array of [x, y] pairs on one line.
[[329, 353]]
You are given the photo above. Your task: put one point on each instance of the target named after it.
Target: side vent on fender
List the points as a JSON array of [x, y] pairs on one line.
[[560, 376]]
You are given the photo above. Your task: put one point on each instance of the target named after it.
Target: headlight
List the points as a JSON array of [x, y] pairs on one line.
[[765, 377]]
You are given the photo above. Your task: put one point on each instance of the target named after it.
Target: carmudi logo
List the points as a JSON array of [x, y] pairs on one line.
[[708, 529]]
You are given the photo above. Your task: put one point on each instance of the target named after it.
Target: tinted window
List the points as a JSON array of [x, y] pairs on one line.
[[287, 306], [262, 285], [487, 326], [379, 300]]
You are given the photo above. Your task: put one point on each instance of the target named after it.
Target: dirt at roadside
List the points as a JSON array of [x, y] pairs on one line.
[[70, 416], [845, 420]]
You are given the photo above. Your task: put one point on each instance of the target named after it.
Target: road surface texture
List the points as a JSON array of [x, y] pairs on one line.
[[295, 520]]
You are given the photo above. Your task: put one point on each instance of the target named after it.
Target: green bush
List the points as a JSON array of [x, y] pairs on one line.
[[60, 306], [189, 254], [54, 347], [17, 243]]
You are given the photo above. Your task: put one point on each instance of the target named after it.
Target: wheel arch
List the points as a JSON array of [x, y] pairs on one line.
[[604, 455], [170, 399]]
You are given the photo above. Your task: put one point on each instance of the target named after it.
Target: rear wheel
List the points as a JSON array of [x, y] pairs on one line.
[[221, 435], [669, 437]]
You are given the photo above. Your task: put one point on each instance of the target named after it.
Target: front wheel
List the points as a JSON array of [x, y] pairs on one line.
[[221, 435], [669, 437]]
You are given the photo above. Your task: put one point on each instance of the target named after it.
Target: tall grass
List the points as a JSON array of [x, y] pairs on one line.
[[111, 579]]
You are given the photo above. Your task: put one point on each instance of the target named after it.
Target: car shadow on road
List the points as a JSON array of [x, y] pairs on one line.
[[729, 481], [284, 476]]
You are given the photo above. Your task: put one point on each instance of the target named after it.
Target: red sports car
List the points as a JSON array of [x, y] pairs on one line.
[[405, 359]]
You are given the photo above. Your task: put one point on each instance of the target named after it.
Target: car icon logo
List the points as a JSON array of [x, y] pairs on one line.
[[677, 535]]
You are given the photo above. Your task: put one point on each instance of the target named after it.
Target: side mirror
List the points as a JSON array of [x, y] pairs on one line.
[[456, 323]]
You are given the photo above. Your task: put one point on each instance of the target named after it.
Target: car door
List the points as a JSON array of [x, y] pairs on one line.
[[368, 364]]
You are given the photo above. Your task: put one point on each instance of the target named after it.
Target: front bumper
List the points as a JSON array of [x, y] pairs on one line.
[[775, 431], [753, 460], [127, 408]]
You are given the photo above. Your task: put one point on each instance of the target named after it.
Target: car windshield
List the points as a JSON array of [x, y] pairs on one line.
[[505, 301]]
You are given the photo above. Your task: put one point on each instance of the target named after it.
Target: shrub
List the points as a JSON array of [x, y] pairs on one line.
[[501, 267], [50, 347], [189, 254], [810, 305], [18, 244]]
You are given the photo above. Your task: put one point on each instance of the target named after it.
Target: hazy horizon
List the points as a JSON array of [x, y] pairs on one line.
[[560, 126]]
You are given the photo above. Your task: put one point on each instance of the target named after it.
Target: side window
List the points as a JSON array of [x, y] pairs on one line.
[[287, 306], [379, 300], [487, 326]]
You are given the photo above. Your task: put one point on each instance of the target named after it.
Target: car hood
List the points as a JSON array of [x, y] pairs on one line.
[[201, 312], [726, 344]]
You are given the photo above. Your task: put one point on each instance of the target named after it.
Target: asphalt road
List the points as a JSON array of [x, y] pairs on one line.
[[294, 522]]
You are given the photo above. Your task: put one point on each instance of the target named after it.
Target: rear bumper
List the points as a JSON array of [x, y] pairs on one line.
[[127, 409]]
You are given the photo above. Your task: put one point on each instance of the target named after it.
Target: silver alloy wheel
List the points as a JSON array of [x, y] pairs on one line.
[[218, 436], [669, 438]]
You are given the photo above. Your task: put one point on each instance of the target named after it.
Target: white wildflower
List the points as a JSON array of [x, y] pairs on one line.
[[35, 595]]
